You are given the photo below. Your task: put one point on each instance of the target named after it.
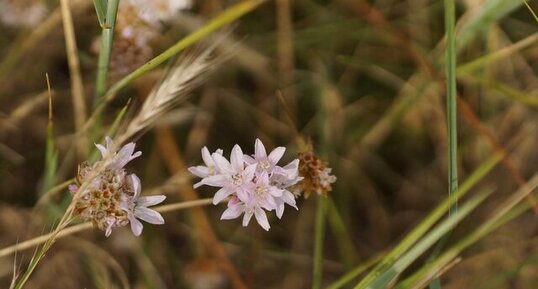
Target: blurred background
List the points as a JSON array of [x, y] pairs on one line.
[[363, 80]]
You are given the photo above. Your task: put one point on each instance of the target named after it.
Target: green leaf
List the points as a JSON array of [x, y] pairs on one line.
[[100, 9]]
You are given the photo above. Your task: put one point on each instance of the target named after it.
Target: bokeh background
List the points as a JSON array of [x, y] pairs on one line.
[[363, 80]]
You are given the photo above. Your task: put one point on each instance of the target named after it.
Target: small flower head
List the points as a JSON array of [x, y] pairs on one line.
[[317, 178], [112, 198], [209, 169], [255, 184], [136, 207]]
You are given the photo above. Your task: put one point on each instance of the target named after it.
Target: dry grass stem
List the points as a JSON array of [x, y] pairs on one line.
[[66, 231], [77, 88]]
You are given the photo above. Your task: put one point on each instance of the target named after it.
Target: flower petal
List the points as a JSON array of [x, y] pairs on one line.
[[232, 212], [135, 183], [280, 210], [221, 195], [199, 171], [222, 164], [236, 159], [247, 217], [259, 150], [249, 160], [148, 215], [248, 173], [149, 201], [276, 154], [261, 217], [216, 181], [206, 156], [102, 149], [288, 198], [136, 226]]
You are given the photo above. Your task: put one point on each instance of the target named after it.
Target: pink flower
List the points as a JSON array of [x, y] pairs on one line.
[[255, 184], [208, 170], [120, 159], [233, 176], [136, 207], [263, 161]]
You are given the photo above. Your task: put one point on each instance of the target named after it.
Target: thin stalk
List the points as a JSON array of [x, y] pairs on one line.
[[84, 226], [452, 113], [530, 9], [452, 119], [107, 37], [318, 242]]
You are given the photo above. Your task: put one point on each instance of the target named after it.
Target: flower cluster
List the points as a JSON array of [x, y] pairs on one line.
[[112, 197], [255, 184]]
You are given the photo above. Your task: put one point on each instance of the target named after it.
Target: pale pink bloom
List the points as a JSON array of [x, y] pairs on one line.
[[121, 158], [208, 170], [136, 207], [256, 184], [236, 208], [263, 161], [233, 176], [254, 199]]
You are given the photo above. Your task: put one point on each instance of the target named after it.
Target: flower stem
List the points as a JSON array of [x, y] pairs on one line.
[[318, 242], [107, 37], [452, 120], [84, 226]]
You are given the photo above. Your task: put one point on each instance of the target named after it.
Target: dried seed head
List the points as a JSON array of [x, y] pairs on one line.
[[317, 178]]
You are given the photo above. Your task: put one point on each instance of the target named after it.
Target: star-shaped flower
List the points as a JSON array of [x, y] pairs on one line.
[[136, 207]]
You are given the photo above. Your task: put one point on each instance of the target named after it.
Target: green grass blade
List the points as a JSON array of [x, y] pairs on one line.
[[348, 277], [319, 236], [412, 237], [347, 250], [510, 209], [452, 116], [402, 263], [100, 9]]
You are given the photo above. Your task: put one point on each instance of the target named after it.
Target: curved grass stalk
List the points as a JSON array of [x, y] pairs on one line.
[[84, 226]]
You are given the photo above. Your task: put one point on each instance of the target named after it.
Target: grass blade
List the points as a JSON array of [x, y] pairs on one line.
[[100, 9], [429, 221], [402, 263]]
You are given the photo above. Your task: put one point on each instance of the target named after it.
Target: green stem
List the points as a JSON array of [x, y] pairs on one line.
[[107, 38], [452, 113], [452, 119], [318, 242]]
